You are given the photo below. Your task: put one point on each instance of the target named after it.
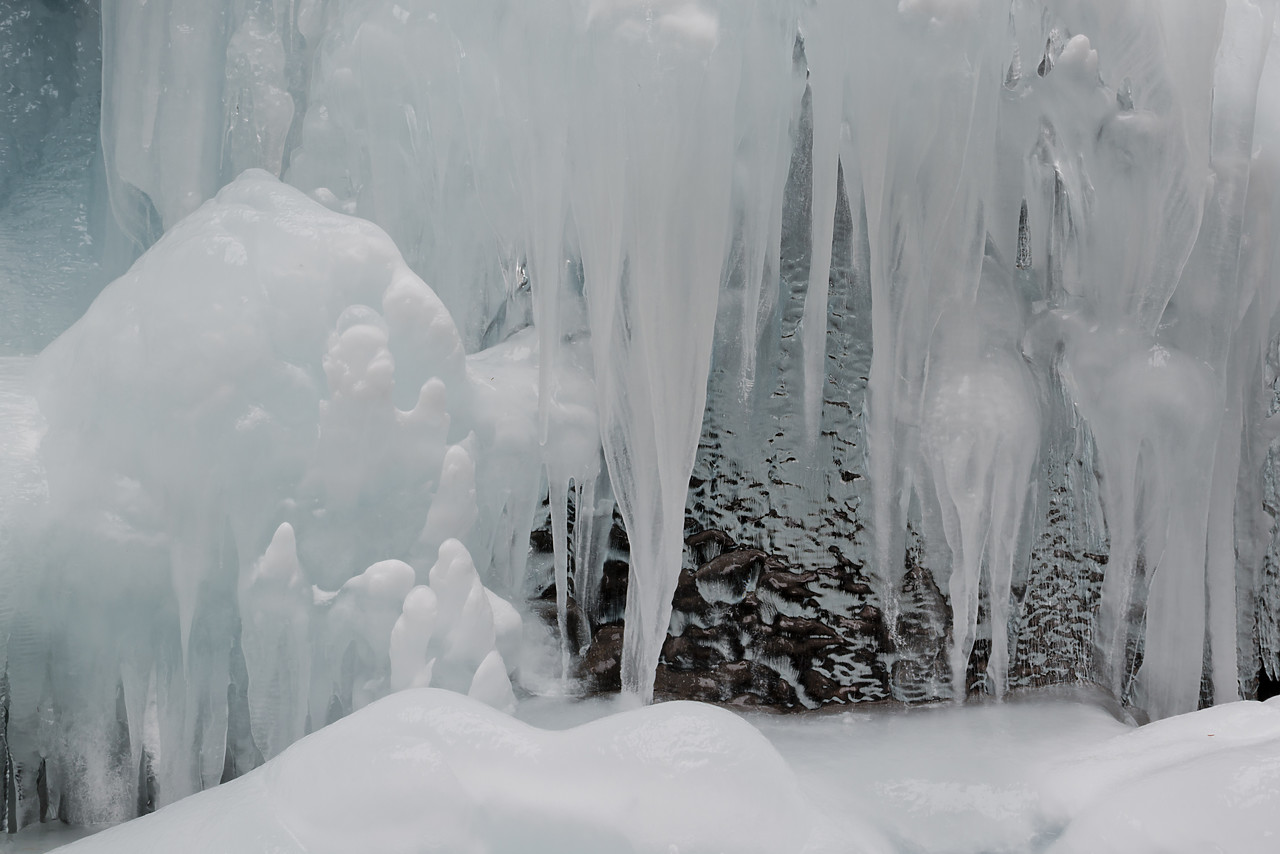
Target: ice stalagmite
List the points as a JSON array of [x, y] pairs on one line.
[[275, 604]]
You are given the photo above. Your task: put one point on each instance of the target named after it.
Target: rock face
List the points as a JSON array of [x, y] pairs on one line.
[[749, 628]]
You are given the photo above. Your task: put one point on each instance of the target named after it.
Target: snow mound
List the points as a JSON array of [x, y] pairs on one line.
[[427, 770], [1204, 781]]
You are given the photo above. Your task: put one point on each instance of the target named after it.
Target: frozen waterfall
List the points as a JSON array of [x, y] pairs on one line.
[[856, 350]]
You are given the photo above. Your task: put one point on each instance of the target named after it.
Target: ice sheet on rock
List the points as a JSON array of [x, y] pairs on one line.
[[426, 770], [56, 233]]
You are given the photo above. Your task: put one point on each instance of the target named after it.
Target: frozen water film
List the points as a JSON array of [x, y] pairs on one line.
[[785, 353]]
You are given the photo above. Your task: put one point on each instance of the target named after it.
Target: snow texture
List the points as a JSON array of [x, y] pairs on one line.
[[429, 770]]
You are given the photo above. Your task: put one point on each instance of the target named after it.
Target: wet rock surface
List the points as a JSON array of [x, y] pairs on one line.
[[747, 630]]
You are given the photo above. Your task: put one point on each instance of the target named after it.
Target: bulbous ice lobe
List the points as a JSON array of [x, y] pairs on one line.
[[228, 367]]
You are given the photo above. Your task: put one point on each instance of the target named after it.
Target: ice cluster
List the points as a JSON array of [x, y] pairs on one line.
[[983, 291], [231, 488], [1061, 213]]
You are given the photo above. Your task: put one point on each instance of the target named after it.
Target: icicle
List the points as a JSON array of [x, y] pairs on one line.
[[764, 148], [826, 56], [558, 493], [584, 557], [652, 322]]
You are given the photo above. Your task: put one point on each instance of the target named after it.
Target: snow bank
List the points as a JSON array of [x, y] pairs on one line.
[[1205, 781], [427, 770]]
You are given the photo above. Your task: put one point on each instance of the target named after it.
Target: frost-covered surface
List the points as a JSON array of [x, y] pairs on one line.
[[1057, 776]]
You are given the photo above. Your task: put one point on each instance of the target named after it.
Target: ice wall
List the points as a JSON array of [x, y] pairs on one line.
[[975, 293]]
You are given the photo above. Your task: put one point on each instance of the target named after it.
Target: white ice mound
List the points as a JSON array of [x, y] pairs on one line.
[[265, 431], [431, 771], [257, 359], [1204, 781]]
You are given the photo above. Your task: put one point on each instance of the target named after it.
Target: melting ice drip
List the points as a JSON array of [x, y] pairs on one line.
[[1063, 212]]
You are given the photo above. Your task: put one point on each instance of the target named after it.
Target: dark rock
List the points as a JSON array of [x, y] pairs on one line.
[[698, 648], [687, 599], [819, 689], [671, 684], [708, 544], [799, 641], [731, 576], [794, 587], [613, 590], [600, 669]]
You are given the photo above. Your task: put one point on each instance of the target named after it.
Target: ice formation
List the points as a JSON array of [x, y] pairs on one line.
[[976, 299], [308, 473]]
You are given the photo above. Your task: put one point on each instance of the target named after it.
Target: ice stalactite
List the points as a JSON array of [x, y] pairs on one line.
[[194, 93], [1222, 324], [1155, 470], [924, 158], [654, 268], [980, 439]]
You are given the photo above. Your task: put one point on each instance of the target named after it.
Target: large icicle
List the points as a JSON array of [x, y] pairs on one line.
[[654, 255], [924, 136]]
